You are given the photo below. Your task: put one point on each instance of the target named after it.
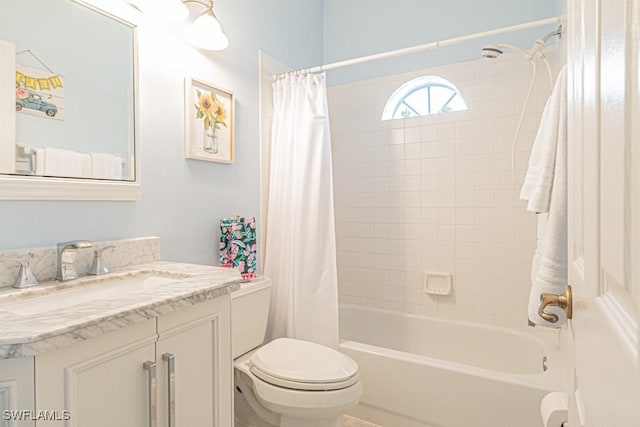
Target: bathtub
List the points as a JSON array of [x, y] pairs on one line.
[[419, 371]]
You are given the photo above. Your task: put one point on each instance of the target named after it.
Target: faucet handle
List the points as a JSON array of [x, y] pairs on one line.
[[25, 276], [98, 266]]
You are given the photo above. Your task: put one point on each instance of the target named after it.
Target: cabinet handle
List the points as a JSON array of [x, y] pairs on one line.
[[171, 371], [152, 392]]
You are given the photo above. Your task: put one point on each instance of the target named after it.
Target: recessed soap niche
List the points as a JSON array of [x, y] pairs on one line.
[[436, 283]]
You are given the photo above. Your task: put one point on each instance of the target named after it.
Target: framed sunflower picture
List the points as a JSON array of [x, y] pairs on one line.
[[208, 122]]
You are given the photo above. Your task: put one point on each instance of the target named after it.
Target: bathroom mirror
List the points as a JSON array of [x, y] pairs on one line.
[[67, 102]]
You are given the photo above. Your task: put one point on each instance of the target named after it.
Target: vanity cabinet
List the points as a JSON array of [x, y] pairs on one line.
[[16, 391], [101, 382], [199, 340]]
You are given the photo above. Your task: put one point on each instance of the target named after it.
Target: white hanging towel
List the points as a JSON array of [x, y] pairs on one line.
[[545, 189]]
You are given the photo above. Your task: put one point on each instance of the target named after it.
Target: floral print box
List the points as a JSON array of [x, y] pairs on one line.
[[238, 245]]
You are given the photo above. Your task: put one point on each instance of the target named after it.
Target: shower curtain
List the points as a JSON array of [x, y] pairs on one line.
[[300, 250]]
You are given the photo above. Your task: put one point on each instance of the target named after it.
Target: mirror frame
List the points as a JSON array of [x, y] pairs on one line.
[[22, 187]]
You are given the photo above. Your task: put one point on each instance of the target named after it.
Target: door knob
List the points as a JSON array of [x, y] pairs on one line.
[[564, 301]]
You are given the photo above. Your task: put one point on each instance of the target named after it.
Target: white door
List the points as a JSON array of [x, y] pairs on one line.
[[604, 210]]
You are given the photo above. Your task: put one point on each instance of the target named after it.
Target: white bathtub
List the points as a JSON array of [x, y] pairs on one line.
[[419, 371]]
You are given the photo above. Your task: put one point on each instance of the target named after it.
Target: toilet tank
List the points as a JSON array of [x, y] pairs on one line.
[[249, 313]]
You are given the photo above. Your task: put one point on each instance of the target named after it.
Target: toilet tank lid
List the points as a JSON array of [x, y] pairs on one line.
[[254, 285], [304, 362]]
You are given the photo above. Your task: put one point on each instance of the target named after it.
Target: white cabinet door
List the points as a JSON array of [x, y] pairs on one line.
[[100, 382], [198, 339], [16, 393], [604, 211]]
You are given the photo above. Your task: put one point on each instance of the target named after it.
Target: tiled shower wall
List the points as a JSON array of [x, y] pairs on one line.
[[436, 194]]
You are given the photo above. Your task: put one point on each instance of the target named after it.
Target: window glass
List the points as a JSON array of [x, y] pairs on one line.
[[423, 96]]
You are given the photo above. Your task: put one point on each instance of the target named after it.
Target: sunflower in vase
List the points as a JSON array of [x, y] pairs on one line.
[[214, 114]]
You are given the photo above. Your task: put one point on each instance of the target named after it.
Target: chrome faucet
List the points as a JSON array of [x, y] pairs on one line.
[[67, 252]]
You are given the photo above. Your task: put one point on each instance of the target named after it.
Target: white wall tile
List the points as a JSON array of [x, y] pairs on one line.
[[446, 147], [446, 199], [465, 164], [446, 181], [429, 231], [412, 183], [396, 136], [485, 144], [412, 167], [446, 165], [465, 216], [465, 233], [465, 129], [412, 215], [436, 193], [464, 181], [412, 199], [429, 133], [446, 131], [464, 146], [429, 166], [447, 216], [412, 135], [396, 183]]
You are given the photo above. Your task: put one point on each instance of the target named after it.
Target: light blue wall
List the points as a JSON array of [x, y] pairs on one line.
[[183, 200], [354, 28]]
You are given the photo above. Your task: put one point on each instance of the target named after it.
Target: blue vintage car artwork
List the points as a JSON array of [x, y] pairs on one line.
[[34, 101]]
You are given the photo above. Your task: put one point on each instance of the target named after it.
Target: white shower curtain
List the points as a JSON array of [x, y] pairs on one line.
[[300, 251]]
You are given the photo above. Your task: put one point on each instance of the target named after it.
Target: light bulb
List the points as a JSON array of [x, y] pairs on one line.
[[206, 32]]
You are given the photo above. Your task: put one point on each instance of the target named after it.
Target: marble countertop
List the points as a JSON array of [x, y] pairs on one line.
[[52, 327]]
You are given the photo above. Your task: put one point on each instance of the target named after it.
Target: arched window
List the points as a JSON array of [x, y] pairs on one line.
[[423, 96]]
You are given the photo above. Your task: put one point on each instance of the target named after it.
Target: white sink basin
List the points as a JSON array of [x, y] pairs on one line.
[[99, 289]]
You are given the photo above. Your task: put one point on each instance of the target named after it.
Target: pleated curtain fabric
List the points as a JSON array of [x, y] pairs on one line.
[[300, 250]]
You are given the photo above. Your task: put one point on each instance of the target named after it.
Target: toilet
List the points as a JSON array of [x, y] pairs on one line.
[[286, 382]]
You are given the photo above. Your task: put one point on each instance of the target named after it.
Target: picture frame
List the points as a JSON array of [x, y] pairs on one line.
[[39, 92], [209, 111]]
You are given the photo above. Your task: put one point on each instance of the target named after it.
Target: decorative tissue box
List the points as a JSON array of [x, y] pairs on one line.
[[238, 245]]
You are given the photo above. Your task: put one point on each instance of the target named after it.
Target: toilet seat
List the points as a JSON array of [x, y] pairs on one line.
[[302, 365]]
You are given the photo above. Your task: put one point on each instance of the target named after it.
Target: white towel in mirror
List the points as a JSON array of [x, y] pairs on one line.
[[66, 163], [106, 166]]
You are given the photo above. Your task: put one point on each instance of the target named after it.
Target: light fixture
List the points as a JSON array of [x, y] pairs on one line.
[[162, 10], [206, 32]]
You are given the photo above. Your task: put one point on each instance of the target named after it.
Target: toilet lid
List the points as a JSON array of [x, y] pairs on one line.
[[303, 365]]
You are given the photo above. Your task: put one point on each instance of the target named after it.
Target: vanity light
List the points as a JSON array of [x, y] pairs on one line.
[[206, 32]]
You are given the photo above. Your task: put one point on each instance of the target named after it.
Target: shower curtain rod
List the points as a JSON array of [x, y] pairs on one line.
[[428, 46]]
